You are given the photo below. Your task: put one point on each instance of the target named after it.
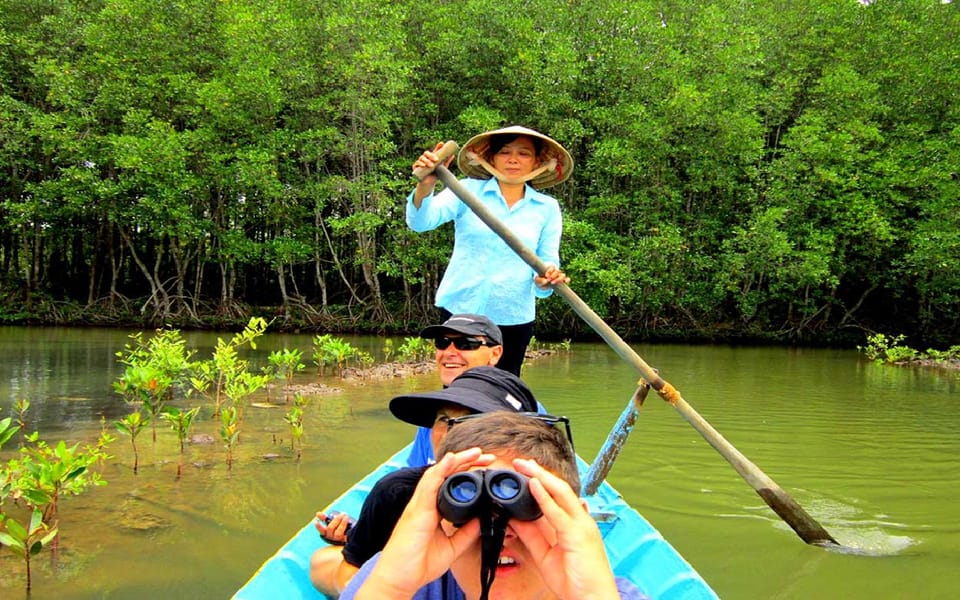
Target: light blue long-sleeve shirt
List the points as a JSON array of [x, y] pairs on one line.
[[485, 276]]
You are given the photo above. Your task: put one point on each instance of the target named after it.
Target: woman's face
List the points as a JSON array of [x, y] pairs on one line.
[[517, 158]]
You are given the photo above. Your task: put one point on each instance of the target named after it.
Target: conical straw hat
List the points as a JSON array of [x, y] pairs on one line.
[[560, 163]]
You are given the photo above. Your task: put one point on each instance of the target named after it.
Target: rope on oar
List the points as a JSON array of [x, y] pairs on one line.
[[809, 530]]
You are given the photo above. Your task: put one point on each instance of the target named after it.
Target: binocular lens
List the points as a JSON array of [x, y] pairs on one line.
[[467, 495], [463, 490], [504, 488]]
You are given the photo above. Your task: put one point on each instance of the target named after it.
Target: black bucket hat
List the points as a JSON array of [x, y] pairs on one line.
[[479, 390]]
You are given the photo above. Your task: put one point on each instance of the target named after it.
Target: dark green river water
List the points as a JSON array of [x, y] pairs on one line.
[[871, 452]]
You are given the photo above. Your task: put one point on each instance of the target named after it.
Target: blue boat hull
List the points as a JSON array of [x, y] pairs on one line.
[[636, 549]]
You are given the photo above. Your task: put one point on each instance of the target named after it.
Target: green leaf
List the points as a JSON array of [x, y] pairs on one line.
[[76, 472], [37, 497], [8, 540], [50, 535], [6, 431], [15, 529], [36, 521]]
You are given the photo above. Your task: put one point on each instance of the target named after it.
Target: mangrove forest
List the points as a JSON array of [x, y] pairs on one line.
[[745, 170]]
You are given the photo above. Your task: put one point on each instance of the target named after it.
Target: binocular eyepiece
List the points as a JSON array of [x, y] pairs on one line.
[[464, 496]]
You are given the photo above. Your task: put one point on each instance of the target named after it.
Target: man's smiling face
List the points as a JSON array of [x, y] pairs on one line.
[[451, 362]]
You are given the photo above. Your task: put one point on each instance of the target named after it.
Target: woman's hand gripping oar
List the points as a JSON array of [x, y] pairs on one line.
[[809, 530]]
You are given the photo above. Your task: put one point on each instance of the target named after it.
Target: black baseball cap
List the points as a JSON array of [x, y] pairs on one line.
[[467, 324], [480, 390]]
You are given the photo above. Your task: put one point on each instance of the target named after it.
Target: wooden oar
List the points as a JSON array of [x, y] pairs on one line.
[[602, 464], [809, 530]]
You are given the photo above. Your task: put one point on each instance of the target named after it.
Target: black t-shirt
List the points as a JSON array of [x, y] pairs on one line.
[[380, 513]]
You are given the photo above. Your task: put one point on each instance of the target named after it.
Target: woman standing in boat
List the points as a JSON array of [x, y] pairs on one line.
[[506, 169]]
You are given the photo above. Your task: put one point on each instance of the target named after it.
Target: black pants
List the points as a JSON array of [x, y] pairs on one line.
[[516, 338]]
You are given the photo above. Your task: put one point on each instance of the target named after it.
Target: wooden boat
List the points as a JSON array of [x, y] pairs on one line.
[[636, 549]]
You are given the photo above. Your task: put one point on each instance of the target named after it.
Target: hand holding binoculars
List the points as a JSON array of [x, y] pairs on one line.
[[464, 496]]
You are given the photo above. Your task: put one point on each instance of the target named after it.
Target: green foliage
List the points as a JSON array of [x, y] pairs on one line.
[[180, 421], [27, 541], [415, 349], [103, 441], [943, 356], [226, 375], [294, 418], [286, 363], [53, 472], [762, 265], [744, 167], [132, 424], [887, 350], [242, 384], [154, 369], [38, 478], [230, 421], [7, 431], [363, 359], [329, 351], [564, 346], [21, 407]]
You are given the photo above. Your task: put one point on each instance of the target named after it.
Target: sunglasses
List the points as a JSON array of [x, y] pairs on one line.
[[551, 420], [461, 343]]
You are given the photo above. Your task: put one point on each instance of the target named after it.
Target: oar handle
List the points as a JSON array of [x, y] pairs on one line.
[[448, 149], [602, 464], [802, 523]]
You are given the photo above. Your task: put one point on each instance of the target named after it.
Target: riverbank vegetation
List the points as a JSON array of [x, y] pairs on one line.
[[33, 483], [890, 350], [163, 381], [745, 170]]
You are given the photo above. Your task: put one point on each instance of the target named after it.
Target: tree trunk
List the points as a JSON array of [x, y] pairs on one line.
[[94, 261], [164, 303], [284, 299], [338, 265], [317, 268], [114, 271], [155, 288], [198, 283], [226, 292], [368, 263], [181, 260]]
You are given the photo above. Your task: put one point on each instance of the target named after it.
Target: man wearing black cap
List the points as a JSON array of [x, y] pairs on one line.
[[477, 390], [463, 341]]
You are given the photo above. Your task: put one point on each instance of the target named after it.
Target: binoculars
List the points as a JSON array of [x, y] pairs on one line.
[[464, 496]]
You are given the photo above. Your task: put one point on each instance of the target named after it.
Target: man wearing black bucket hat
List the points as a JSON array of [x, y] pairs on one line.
[[477, 390], [481, 389]]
